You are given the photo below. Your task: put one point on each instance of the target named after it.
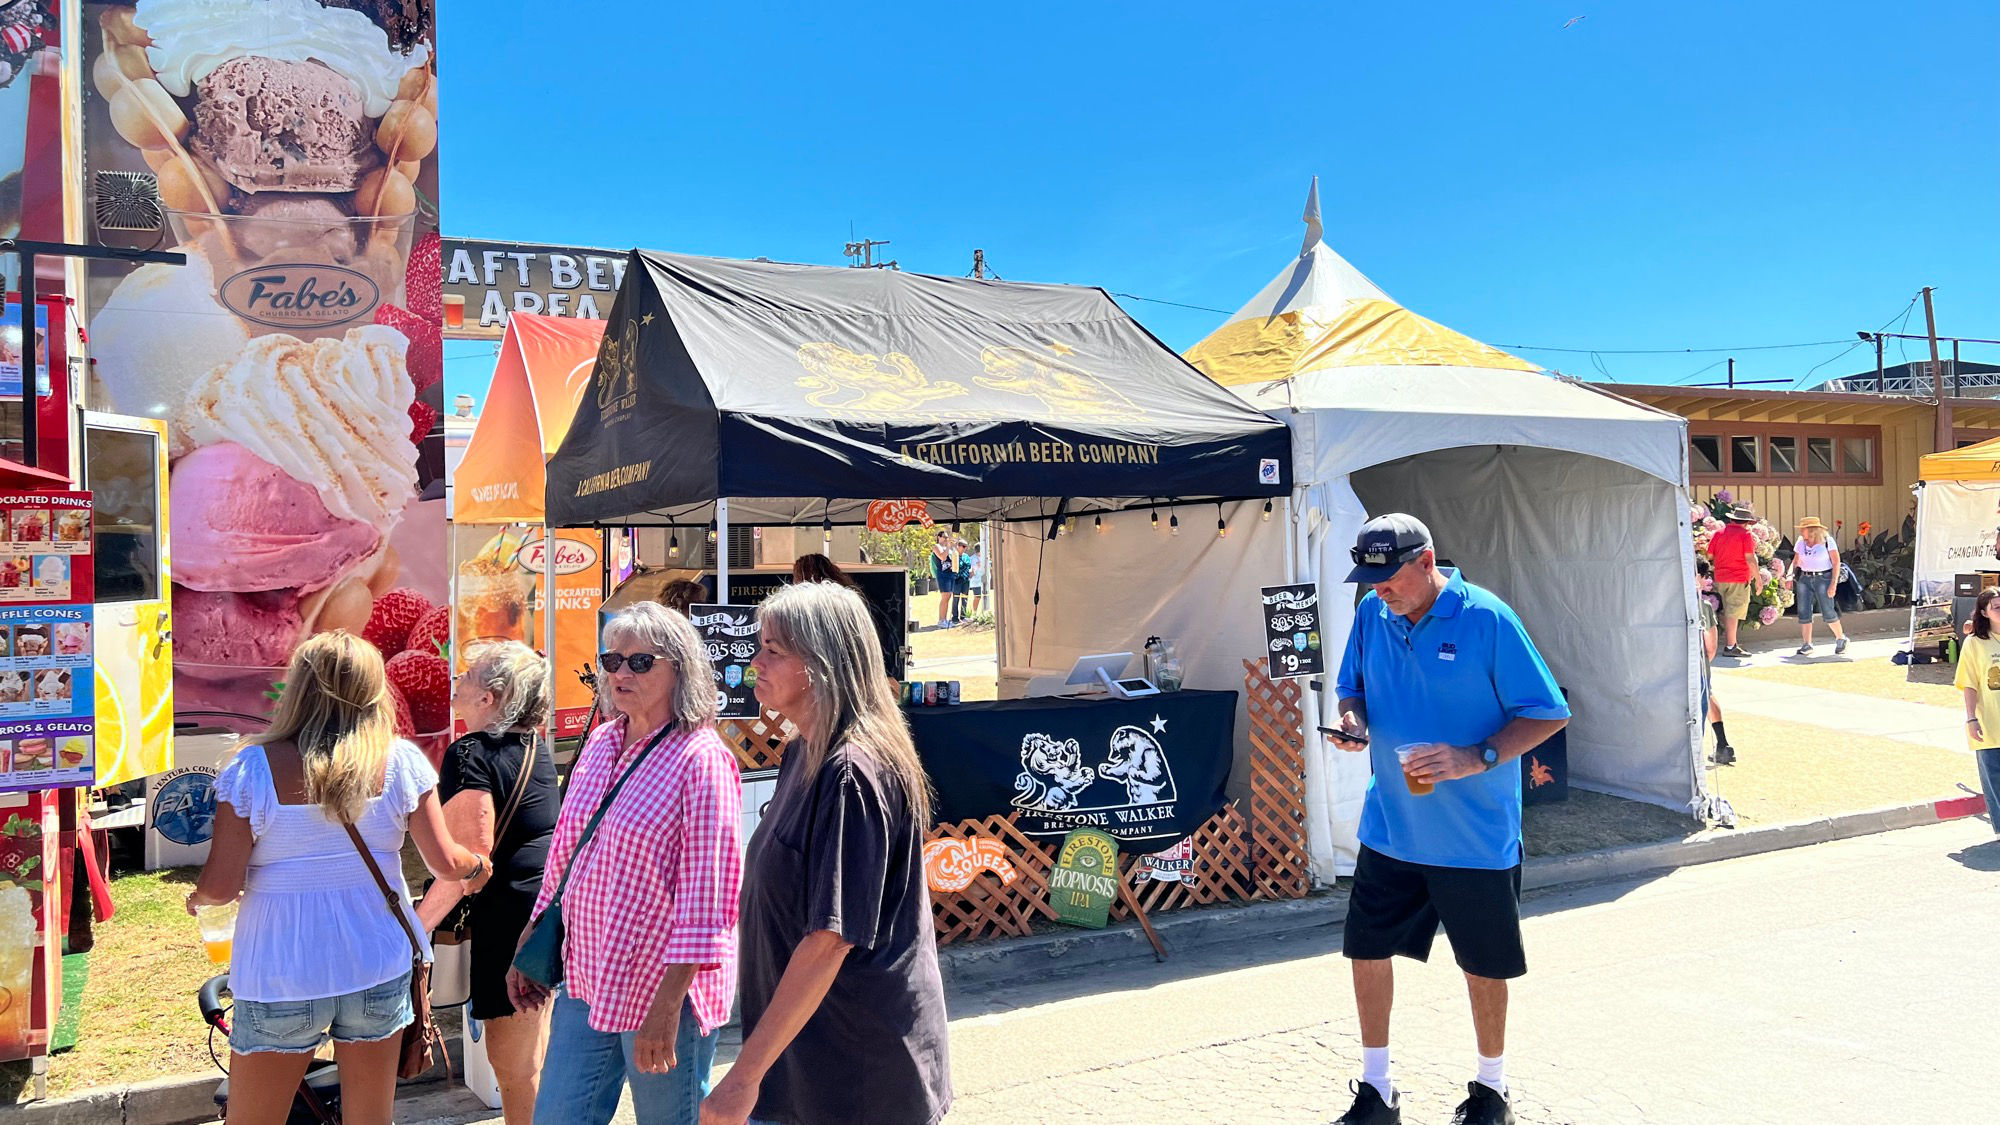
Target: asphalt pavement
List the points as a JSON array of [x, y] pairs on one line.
[[1845, 982]]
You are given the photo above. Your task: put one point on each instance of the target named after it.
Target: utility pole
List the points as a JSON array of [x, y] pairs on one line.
[[1732, 371], [1943, 436], [979, 265], [1880, 379]]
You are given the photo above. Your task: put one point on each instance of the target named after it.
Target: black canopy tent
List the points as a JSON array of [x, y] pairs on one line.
[[774, 394]]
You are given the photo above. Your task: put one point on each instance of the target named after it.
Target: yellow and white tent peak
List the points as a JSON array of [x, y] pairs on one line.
[[1322, 314]]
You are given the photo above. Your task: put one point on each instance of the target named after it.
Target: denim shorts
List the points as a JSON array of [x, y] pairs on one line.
[[299, 1026]]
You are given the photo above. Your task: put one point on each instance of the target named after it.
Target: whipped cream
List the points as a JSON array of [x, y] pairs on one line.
[[191, 38], [334, 414]]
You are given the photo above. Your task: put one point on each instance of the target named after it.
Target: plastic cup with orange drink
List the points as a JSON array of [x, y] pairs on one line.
[[218, 930], [1403, 755]]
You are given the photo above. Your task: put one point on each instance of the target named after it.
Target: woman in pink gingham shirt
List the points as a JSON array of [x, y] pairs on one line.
[[649, 913]]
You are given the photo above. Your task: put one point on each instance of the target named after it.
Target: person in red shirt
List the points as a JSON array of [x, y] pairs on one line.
[[1734, 553]]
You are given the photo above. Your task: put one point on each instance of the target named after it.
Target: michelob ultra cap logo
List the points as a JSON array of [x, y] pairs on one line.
[[300, 295]]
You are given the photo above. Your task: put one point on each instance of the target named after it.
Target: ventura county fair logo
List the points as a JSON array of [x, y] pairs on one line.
[[1056, 791]]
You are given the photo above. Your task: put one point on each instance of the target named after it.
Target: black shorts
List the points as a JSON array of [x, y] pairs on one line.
[[497, 921], [1396, 908]]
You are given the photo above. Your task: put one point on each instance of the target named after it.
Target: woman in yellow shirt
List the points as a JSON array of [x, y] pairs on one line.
[[1979, 677]]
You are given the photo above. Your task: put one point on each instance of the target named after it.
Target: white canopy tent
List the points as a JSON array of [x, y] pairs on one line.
[[1566, 501]]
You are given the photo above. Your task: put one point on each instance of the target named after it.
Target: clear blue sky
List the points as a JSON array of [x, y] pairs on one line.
[[1694, 174]]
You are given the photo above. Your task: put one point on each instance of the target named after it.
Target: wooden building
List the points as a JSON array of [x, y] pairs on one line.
[[1792, 454]]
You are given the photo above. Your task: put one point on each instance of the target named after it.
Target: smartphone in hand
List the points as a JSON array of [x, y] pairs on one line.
[[1339, 735]]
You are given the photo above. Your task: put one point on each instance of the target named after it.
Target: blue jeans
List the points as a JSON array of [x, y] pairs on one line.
[[1815, 588], [1989, 784], [586, 1070], [302, 1026]]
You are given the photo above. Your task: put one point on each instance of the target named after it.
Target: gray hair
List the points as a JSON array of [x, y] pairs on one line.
[[670, 635], [854, 703], [517, 677]]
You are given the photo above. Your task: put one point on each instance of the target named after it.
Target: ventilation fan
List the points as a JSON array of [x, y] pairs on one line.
[[129, 201]]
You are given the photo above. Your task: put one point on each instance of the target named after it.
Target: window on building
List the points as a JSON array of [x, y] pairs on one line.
[[1742, 452], [1704, 454], [1784, 452]]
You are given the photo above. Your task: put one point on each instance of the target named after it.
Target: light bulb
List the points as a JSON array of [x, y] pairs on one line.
[[1221, 529], [1174, 524], [711, 533], [1267, 511], [674, 547], [1156, 520], [1098, 522]]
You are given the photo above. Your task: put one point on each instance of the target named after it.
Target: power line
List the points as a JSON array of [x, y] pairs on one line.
[[1176, 304], [1667, 351]]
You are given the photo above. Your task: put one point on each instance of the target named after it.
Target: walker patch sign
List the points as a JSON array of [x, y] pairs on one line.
[[1291, 631], [1085, 879]]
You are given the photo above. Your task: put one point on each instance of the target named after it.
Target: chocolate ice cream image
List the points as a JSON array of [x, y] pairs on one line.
[[269, 125]]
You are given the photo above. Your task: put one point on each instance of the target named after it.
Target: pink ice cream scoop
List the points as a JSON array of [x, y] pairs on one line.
[[242, 630], [240, 523]]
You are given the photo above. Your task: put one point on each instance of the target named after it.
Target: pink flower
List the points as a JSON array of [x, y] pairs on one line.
[[1768, 615], [1713, 601], [1724, 496]]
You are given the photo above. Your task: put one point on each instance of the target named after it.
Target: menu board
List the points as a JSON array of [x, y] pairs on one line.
[[13, 353], [1291, 631], [47, 653], [730, 634]]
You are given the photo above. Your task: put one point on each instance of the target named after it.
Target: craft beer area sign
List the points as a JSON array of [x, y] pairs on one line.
[[485, 281]]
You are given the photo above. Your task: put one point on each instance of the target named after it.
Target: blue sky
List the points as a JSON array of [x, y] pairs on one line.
[[1655, 176]]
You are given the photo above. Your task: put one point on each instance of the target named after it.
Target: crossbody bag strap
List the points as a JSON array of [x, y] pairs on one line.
[[389, 896], [590, 829], [529, 749]]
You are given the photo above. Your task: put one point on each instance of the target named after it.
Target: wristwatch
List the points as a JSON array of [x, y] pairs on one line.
[[1488, 756]]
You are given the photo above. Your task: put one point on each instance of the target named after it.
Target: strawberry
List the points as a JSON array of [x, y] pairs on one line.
[[423, 417], [405, 726], [423, 283], [388, 627], [431, 633], [425, 681], [426, 355]]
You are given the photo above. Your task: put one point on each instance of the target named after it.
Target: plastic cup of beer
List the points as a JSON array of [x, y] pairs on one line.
[[454, 310], [1403, 755], [218, 930]]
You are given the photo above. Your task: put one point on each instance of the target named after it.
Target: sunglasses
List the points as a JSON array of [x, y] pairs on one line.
[[640, 662], [1384, 558]]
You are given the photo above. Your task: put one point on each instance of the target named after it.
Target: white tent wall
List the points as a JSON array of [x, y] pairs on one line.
[[1595, 558], [1108, 592]]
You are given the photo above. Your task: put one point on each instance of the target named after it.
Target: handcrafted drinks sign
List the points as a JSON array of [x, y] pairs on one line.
[[485, 281], [1291, 631], [1085, 879], [47, 653]]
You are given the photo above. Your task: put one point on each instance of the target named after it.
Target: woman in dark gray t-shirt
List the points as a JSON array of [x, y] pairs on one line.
[[843, 1007]]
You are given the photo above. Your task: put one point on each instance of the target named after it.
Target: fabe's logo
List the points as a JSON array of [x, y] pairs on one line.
[[571, 556], [300, 295]]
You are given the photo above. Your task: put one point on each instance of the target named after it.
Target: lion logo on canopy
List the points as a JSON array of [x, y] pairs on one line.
[[1063, 390], [861, 383]]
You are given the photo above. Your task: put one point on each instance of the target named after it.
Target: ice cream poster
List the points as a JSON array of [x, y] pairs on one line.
[[29, 980], [14, 353], [296, 357], [46, 557]]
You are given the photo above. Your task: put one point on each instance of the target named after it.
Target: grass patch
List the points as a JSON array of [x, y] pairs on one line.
[[137, 1019], [1877, 678], [1588, 821], [1792, 771]]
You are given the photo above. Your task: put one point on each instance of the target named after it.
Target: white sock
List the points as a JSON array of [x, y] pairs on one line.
[[1493, 1072], [1375, 1072]]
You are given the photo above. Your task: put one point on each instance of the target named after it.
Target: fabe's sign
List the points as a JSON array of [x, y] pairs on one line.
[[1085, 879]]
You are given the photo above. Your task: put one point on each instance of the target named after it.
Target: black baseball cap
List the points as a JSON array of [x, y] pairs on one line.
[[1386, 544]]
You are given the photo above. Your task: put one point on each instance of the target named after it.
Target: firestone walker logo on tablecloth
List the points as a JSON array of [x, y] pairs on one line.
[[1131, 788]]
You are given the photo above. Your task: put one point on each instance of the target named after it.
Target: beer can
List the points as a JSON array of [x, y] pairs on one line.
[[915, 693], [952, 690], [930, 693]]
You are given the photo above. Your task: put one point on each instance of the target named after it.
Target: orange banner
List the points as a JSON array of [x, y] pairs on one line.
[[891, 516]]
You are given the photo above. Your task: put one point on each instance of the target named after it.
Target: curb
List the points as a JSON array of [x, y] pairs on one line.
[[190, 1099]]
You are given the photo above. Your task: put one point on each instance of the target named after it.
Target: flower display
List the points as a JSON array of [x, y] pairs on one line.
[[1768, 615], [1770, 593]]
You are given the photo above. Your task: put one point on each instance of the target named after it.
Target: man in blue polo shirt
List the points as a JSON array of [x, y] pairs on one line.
[[1442, 687]]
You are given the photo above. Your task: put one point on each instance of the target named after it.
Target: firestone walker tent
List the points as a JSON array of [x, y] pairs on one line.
[[798, 394], [1567, 502]]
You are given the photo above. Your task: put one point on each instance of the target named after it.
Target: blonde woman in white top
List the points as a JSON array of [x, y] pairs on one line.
[[1816, 572], [317, 954]]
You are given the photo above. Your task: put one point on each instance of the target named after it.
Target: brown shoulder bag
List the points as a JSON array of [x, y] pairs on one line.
[[422, 1037]]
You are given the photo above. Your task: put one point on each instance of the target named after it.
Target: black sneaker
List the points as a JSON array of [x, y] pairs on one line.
[[1724, 756], [1485, 1107], [1737, 651], [1369, 1108], [1840, 646], [1804, 650]]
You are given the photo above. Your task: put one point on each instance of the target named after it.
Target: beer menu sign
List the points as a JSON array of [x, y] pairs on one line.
[[486, 281]]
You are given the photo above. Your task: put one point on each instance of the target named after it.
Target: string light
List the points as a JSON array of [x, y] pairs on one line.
[[1069, 523], [826, 527], [711, 533], [1156, 518], [674, 547], [1174, 523], [1221, 526], [1098, 522], [1267, 511]]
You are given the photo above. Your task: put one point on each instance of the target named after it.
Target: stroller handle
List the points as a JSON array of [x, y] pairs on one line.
[[210, 998]]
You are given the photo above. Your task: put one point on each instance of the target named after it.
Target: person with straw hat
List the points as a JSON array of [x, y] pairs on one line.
[[1816, 560]]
